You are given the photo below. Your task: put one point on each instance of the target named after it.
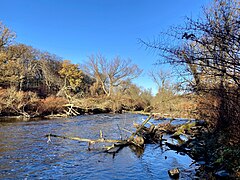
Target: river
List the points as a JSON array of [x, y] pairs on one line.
[[26, 154]]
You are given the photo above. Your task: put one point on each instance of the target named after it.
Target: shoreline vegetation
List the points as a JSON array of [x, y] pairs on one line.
[[54, 107], [34, 83]]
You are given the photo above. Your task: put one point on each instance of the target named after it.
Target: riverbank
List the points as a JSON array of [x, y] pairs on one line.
[[221, 157], [29, 105], [217, 157]]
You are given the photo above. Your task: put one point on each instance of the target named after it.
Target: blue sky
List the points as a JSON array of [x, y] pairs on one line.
[[76, 29]]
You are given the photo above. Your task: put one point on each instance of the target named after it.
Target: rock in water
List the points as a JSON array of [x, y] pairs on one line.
[[174, 173]]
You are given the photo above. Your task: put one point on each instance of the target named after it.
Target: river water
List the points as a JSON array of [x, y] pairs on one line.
[[26, 154]]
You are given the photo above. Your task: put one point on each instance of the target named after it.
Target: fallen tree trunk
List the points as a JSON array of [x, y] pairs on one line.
[[134, 139]]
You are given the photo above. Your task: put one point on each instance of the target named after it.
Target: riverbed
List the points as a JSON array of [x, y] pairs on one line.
[[25, 152]]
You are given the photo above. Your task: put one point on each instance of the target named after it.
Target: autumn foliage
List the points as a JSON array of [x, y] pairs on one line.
[[52, 105]]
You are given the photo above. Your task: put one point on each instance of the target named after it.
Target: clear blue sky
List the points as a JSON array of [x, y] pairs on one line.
[[76, 29]]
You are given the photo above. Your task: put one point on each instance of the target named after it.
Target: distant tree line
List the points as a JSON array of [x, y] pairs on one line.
[[28, 74], [27, 68], [35, 82]]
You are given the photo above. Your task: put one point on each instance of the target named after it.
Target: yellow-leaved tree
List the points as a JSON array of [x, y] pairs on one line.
[[71, 75]]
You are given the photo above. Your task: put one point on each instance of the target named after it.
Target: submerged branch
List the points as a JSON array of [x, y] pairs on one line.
[[100, 140]]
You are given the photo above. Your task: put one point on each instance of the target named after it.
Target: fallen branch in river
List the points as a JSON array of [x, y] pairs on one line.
[[134, 139], [139, 128], [92, 141], [142, 135]]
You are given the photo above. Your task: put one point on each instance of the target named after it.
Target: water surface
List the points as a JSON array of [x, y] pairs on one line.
[[25, 153]]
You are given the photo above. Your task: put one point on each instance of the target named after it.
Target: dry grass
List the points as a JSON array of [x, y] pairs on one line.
[[14, 102], [177, 106], [52, 105]]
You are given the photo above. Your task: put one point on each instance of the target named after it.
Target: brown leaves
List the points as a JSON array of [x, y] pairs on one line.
[[52, 105]]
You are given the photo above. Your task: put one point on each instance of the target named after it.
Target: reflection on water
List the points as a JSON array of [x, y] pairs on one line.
[[25, 153]]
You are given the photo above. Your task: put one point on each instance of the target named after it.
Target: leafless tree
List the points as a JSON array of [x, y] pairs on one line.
[[162, 79], [208, 49], [111, 74]]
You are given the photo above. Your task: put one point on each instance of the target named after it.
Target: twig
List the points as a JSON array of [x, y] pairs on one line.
[[101, 134], [126, 130], [49, 139], [120, 131]]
